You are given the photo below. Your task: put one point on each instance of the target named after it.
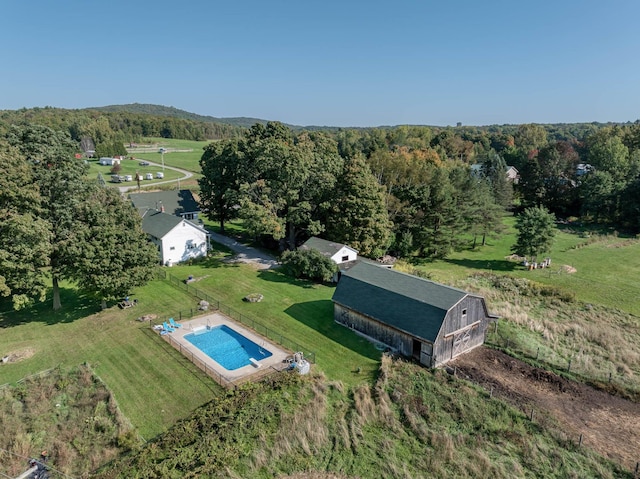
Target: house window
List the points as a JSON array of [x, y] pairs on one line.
[[345, 258], [172, 248], [464, 314]]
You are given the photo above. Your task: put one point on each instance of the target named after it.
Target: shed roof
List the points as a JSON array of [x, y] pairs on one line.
[[327, 248], [414, 305], [175, 202]]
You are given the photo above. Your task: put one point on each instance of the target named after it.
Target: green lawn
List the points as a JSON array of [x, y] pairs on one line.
[[153, 384], [300, 311]]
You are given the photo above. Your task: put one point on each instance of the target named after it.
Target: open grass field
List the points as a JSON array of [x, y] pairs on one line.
[[607, 267], [187, 160]]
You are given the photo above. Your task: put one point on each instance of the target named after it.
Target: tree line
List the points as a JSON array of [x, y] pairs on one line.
[[422, 191], [56, 224], [103, 127]]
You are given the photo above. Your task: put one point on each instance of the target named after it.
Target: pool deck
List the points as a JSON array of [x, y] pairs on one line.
[[277, 360]]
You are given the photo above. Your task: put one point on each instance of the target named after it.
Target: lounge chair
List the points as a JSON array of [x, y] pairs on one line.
[[174, 324], [167, 327]]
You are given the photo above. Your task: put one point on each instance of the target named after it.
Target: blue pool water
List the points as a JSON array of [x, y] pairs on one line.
[[229, 349]]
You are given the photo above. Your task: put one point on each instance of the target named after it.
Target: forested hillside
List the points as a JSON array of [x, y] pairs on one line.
[[159, 110]]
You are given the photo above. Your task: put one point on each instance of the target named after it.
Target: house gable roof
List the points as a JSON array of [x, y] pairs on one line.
[[327, 248], [159, 225], [414, 305], [174, 202]]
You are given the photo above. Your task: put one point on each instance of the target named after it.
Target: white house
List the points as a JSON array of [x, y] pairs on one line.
[[104, 161], [339, 253], [177, 239]]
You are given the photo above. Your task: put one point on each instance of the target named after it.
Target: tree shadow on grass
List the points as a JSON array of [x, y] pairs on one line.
[[487, 265], [278, 276], [75, 305], [318, 315]]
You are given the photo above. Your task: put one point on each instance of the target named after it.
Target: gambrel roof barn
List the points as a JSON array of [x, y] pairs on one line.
[[429, 321]]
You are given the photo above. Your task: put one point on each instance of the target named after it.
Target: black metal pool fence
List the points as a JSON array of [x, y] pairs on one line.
[[216, 305]]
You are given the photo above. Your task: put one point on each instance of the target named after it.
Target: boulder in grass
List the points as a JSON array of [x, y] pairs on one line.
[[203, 305], [253, 298]]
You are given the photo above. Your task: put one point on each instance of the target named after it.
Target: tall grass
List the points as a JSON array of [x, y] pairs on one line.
[[411, 423]]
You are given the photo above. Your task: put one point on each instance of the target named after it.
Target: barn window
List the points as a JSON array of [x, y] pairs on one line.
[[464, 313]]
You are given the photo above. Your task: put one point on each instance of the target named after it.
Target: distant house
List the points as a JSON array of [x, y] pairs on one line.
[[104, 161], [583, 168], [175, 202], [177, 239], [339, 253], [418, 318], [512, 173]]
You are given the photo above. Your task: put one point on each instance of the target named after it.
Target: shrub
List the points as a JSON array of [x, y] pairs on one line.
[[310, 264]]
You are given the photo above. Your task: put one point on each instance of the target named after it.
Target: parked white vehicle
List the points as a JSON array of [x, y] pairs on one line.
[[159, 174], [148, 176]]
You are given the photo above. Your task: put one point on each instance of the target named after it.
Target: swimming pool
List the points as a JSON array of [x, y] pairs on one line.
[[228, 348]]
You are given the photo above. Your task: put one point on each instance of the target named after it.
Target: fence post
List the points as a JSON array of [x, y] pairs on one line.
[[531, 417], [495, 330], [609, 376], [180, 314], [580, 441], [569, 367], [538, 353]]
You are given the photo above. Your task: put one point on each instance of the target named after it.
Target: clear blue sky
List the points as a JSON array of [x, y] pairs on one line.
[[339, 63]]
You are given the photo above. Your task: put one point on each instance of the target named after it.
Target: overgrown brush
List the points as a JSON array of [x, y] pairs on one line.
[[543, 322], [69, 414], [411, 423]]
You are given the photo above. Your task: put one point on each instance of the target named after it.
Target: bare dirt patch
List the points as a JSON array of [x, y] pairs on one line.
[[610, 425], [568, 269], [15, 356]]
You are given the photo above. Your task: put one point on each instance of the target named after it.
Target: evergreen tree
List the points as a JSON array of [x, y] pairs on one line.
[[358, 216]]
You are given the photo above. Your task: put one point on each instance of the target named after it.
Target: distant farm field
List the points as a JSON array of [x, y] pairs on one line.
[[183, 154]]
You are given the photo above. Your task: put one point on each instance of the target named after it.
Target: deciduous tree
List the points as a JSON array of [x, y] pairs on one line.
[[536, 232]]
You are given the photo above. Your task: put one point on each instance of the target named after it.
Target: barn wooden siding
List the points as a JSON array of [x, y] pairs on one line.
[[392, 337], [459, 332]]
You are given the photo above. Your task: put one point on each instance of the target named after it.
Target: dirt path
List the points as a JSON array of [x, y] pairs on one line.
[[610, 425]]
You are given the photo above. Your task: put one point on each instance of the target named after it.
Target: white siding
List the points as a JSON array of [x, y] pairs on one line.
[[183, 242], [344, 255]]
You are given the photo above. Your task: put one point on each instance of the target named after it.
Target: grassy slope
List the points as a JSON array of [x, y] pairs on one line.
[[153, 384], [412, 423]]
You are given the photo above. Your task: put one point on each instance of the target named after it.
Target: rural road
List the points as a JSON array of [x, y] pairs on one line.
[[187, 174], [245, 254]]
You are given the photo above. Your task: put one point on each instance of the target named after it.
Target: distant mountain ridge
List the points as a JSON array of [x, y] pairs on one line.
[[160, 110]]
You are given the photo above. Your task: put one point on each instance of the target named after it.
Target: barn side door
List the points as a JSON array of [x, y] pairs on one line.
[[460, 342]]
